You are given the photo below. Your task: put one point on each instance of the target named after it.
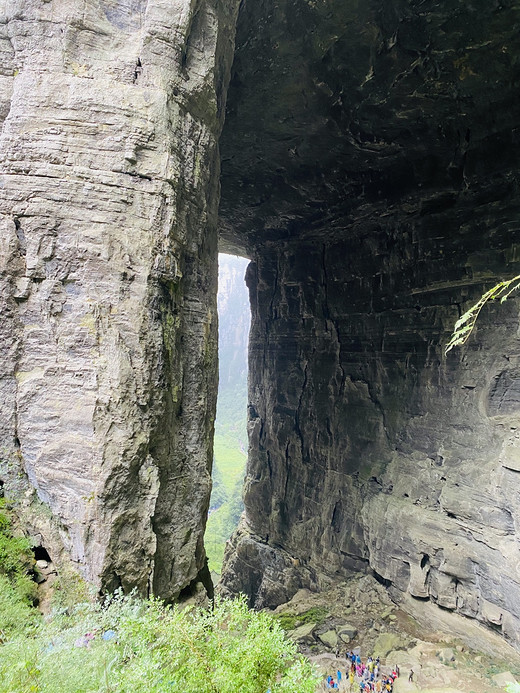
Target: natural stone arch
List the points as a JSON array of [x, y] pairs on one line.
[[369, 170]]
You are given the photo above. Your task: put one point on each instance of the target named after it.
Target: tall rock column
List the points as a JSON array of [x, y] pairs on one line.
[[110, 113]]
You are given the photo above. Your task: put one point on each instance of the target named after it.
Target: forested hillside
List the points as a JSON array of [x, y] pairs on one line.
[[230, 426]]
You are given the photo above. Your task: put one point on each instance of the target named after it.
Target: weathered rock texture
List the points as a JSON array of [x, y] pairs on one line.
[[110, 113], [370, 170], [378, 197]]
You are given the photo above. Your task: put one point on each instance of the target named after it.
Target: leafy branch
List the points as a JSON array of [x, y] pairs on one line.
[[465, 324]]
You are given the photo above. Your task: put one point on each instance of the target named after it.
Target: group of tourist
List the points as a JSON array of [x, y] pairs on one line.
[[367, 675]]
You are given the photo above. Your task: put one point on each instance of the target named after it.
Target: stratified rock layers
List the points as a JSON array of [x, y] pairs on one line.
[[370, 170], [108, 196], [369, 450], [384, 203]]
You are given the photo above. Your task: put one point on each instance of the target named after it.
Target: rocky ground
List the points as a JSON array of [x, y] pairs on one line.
[[45, 577], [359, 613]]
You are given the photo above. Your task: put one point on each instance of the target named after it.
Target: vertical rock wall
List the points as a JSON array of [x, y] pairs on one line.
[[370, 450], [378, 196], [110, 113]]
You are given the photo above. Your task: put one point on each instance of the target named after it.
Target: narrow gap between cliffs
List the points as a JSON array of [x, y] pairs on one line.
[[230, 448]]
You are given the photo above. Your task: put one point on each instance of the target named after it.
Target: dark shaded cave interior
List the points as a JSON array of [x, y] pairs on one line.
[[369, 170]]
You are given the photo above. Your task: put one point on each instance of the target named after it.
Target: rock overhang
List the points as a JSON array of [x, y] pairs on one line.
[[339, 111], [369, 169]]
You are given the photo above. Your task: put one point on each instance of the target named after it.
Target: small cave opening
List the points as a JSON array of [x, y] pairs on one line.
[[188, 592], [41, 554], [425, 561], [44, 575], [230, 441], [382, 581]]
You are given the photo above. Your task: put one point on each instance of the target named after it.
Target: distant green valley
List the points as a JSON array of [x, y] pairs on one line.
[[230, 426]]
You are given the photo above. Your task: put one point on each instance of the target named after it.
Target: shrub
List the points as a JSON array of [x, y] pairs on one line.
[[17, 589], [130, 645], [16, 614], [16, 558]]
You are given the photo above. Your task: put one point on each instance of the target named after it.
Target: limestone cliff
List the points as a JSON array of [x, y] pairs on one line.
[[377, 197], [370, 170], [111, 112]]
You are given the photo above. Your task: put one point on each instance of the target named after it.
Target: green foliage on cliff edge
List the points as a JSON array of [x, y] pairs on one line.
[[129, 645]]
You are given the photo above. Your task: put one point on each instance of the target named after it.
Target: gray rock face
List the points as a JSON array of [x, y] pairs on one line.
[[375, 212], [371, 450], [370, 170], [110, 116]]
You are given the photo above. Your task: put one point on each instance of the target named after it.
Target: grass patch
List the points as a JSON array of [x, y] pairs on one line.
[[289, 621], [17, 589], [229, 459]]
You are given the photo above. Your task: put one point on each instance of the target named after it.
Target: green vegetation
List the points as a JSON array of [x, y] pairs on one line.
[[17, 590], [219, 493], [465, 324], [231, 421], [226, 504], [129, 645], [290, 621], [230, 460], [70, 589], [15, 611], [222, 522]]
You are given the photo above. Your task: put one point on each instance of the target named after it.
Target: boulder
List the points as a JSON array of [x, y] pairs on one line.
[[329, 638], [302, 632], [503, 678], [385, 643], [346, 632], [446, 655]]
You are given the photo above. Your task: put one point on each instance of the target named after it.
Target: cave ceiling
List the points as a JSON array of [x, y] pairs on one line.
[[342, 111]]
